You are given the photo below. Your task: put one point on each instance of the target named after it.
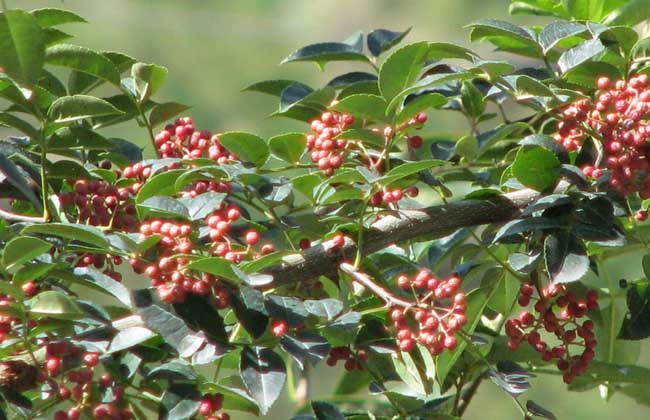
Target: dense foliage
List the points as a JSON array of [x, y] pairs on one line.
[[203, 279]]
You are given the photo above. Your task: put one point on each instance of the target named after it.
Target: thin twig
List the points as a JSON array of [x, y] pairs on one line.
[[13, 217], [367, 282]]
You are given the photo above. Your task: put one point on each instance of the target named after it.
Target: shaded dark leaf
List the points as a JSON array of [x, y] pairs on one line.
[[381, 40], [636, 325], [305, 346], [264, 374]]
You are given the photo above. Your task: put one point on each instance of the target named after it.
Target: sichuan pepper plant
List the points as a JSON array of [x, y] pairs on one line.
[[200, 279]]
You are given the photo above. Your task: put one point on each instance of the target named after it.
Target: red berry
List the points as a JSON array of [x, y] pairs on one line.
[[252, 237], [279, 327]]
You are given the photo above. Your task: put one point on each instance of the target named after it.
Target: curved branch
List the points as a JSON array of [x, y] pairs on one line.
[[13, 217], [365, 280], [429, 223]]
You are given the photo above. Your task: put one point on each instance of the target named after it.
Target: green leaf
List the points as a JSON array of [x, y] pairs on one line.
[[420, 104], [326, 411], [288, 147], [506, 291], [531, 224], [162, 113], [149, 78], [537, 8], [584, 9], [506, 36], [324, 308], [588, 72], [174, 370], [248, 147], [130, 337], [105, 283], [273, 87], [160, 184], [84, 60], [264, 374], [324, 52], [79, 107], [22, 46], [641, 48], [630, 13], [214, 265], [556, 31], [49, 17], [579, 54], [427, 82], [536, 168], [162, 206], [408, 169], [467, 147], [204, 204], [445, 50], [566, 258], [636, 325], [19, 179], [343, 330], [10, 120], [75, 232], [53, 304], [381, 40], [179, 402], [401, 69], [472, 99], [548, 143], [305, 346], [363, 106], [22, 249], [365, 135]]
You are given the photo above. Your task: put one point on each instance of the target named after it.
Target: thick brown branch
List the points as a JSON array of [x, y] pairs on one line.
[[429, 223]]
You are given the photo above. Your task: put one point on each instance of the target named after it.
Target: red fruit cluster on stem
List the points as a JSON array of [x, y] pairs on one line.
[[99, 203], [439, 312], [557, 311], [353, 360], [80, 385], [210, 404], [325, 150], [181, 140], [617, 119]]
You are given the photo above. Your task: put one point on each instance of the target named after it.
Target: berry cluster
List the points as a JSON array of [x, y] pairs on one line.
[[392, 195], [618, 119], [557, 311], [438, 313], [99, 203], [210, 404], [103, 262], [6, 321], [181, 140], [353, 360], [326, 151], [79, 385]]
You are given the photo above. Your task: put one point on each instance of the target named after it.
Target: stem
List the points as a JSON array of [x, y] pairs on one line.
[[44, 186], [13, 217], [147, 124], [612, 308], [497, 259], [469, 395], [367, 282]]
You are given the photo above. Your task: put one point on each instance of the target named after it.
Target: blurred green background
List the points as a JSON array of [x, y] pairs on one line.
[[214, 48]]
